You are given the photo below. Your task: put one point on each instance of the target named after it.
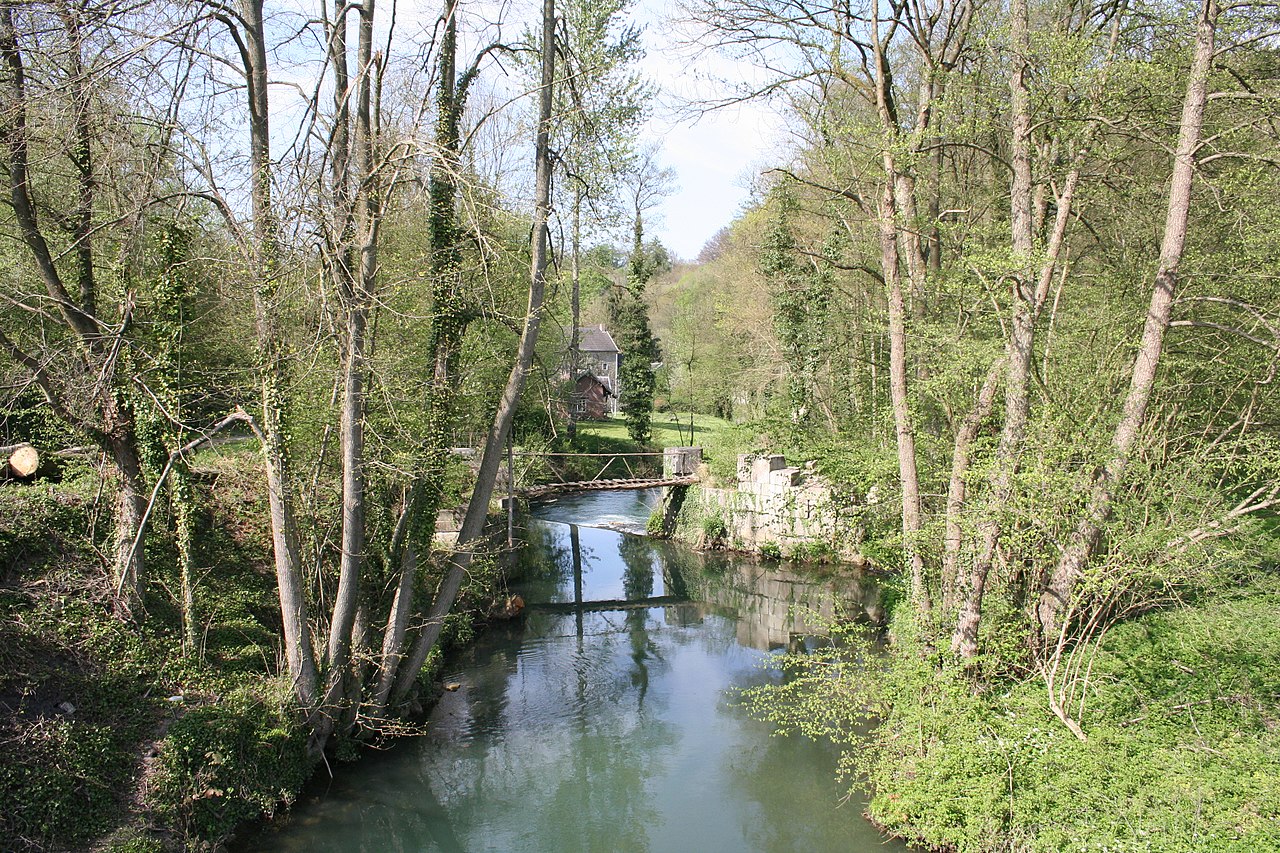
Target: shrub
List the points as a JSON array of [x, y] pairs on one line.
[[713, 529], [227, 763]]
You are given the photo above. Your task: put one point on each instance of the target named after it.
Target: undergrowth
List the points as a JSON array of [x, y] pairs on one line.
[[1182, 749]]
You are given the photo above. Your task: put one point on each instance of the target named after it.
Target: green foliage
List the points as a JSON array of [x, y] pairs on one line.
[[771, 550], [654, 526], [134, 843], [1182, 716], [809, 552], [629, 322], [75, 686], [36, 522], [801, 299], [29, 418], [72, 780], [713, 530], [64, 786], [230, 762]]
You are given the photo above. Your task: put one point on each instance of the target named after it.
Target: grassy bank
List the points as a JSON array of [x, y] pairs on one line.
[[1180, 714], [113, 728], [117, 736]]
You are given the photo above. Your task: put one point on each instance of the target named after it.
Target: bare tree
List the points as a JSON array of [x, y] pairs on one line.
[[84, 386]]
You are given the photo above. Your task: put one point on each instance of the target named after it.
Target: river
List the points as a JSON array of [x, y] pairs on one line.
[[581, 728]]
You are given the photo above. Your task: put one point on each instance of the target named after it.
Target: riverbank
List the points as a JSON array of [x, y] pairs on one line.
[[121, 737], [607, 718], [1178, 749], [102, 719]]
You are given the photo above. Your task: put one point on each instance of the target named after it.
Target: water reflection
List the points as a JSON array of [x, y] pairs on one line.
[[602, 721]]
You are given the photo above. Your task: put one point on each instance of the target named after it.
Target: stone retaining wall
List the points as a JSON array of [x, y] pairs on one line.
[[790, 511]]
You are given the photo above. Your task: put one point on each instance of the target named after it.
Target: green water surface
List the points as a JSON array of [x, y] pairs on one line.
[[584, 729]]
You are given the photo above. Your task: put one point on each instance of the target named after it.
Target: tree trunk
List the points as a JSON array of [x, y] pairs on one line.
[[131, 504], [961, 457], [908, 473], [359, 286], [1057, 598], [271, 370], [571, 428], [478, 507], [1021, 347], [182, 505], [448, 322], [111, 423]]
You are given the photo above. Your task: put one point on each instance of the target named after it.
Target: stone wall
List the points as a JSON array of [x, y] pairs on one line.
[[792, 512]]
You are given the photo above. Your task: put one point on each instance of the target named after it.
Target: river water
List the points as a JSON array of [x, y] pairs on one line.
[[604, 719]]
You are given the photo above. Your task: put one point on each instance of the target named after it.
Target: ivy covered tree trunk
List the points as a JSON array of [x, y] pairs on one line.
[[271, 368], [500, 430], [449, 317]]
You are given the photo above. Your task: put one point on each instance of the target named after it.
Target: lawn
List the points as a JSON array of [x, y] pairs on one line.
[[720, 439]]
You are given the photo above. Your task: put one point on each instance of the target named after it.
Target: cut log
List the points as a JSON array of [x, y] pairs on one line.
[[23, 461]]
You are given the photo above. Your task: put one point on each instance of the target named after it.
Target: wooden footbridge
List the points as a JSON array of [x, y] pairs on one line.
[[679, 468]]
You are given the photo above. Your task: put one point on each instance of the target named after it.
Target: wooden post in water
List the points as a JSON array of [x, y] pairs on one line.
[[511, 495]]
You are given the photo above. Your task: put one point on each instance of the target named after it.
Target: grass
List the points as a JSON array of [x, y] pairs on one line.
[[667, 430], [719, 439]]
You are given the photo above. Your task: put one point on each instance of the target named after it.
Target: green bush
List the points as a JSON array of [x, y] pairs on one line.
[[227, 763], [713, 529], [1182, 753]]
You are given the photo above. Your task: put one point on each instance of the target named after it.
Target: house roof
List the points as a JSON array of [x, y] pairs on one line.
[[603, 383], [596, 339]]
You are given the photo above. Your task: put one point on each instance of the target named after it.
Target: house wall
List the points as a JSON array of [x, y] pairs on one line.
[[590, 396], [603, 364]]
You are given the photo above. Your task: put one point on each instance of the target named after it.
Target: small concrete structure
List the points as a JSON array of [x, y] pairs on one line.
[[681, 461]]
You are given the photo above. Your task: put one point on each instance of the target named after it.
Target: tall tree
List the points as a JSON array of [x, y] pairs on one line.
[[604, 103], [1057, 598], [85, 387], [500, 430], [628, 313]]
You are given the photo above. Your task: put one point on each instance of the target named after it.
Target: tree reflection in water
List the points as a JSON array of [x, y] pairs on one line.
[[578, 729]]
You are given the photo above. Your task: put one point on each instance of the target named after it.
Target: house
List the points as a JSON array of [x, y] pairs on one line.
[[592, 399], [599, 356]]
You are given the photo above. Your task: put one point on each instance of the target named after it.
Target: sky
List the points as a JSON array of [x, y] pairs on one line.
[[716, 158], [716, 155]]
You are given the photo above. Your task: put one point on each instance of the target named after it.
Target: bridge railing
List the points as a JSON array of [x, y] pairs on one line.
[[594, 465], [676, 462]]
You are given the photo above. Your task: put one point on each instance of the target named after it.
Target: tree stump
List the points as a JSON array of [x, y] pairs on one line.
[[23, 461]]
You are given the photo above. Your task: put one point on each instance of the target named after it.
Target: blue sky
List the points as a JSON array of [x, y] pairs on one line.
[[717, 158]]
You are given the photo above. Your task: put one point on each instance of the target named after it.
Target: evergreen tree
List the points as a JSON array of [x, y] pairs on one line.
[[628, 313], [629, 319]]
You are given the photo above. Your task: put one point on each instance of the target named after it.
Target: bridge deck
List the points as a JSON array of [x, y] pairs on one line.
[[602, 485]]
